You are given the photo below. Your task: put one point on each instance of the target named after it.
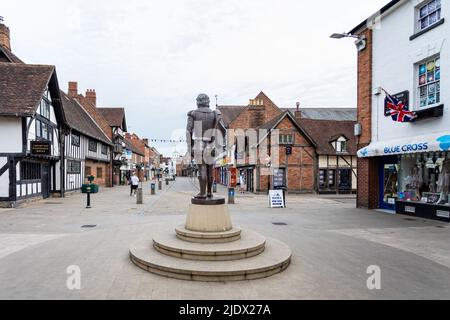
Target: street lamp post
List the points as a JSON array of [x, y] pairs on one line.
[[360, 39]]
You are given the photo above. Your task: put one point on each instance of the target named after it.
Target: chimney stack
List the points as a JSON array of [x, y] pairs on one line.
[[5, 39], [73, 89], [298, 113], [91, 96]]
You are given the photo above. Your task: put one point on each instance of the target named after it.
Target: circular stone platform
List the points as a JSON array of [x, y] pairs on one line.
[[208, 237], [274, 259], [249, 245]]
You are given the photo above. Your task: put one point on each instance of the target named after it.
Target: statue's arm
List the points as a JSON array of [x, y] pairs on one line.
[[189, 131]]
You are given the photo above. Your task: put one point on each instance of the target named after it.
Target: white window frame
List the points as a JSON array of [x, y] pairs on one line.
[[418, 86], [418, 19]]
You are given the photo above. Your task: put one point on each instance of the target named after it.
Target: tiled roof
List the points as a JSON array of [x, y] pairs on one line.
[[114, 116], [325, 131], [340, 114], [78, 119], [22, 87], [7, 56], [130, 146], [229, 113]]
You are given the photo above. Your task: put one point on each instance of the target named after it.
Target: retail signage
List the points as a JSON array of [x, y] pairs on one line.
[[40, 148], [410, 209], [417, 144], [276, 199], [402, 97], [443, 214]]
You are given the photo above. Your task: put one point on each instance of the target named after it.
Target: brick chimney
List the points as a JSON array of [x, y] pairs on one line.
[[91, 96], [145, 141], [298, 113], [5, 39], [73, 89]]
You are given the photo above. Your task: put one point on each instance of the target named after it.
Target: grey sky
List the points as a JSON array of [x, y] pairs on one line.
[[154, 57]]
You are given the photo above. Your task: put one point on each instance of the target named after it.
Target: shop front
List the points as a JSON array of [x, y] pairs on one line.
[[414, 175]]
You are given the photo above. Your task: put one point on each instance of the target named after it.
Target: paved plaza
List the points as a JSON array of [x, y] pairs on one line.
[[332, 244]]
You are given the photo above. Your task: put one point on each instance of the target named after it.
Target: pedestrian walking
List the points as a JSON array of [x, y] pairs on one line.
[[134, 182]]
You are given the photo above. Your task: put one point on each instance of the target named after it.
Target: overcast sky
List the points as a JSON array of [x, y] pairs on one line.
[[155, 57]]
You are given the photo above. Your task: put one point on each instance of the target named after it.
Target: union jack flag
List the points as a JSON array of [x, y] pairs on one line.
[[398, 110]]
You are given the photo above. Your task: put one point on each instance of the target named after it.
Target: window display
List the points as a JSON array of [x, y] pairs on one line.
[[425, 178]]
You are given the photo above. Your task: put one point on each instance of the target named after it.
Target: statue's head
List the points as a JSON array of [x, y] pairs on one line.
[[202, 100]]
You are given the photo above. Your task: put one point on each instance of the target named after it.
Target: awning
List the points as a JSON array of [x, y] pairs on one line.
[[416, 144]]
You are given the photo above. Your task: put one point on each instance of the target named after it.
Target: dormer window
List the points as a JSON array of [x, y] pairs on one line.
[[340, 145]]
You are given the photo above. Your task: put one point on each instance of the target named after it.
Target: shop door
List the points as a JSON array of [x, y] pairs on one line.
[[45, 181], [345, 181], [388, 172]]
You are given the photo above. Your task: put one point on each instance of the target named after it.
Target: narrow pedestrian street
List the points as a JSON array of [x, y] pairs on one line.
[[332, 244]]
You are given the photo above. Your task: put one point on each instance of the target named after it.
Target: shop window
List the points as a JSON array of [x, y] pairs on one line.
[[92, 145], [425, 178], [330, 181], [75, 140], [322, 183], [99, 173], [73, 167], [286, 139], [429, 84], [428, 14], [30, 170]]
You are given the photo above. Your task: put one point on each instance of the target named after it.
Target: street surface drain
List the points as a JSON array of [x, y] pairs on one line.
[[410, 219], [89, 226], [279, 223]]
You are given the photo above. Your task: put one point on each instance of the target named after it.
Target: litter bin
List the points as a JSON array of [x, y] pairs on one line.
[[231, 195], [153, 188]]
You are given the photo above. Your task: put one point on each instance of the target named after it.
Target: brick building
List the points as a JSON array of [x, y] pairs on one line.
[[300, 157], [403, 166]]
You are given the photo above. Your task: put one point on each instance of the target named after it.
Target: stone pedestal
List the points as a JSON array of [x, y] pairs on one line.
[[208, 218], [209, 248]]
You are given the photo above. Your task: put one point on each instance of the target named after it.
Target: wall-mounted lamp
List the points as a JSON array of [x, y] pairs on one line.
[[360, 39]]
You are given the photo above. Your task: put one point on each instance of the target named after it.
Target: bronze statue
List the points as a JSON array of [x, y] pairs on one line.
[[201, 127]]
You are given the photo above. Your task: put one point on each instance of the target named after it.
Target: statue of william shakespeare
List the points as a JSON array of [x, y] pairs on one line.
[[201, 137]]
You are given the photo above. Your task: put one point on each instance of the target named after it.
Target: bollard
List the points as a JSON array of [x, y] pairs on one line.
[[139, 199], [159, 185], [230, 195], [88, 194], [214, 187], [152, 187], [167, 181]]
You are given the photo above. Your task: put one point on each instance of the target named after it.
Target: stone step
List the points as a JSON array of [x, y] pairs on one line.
[[208, 237], [275, 258], [249, 245]]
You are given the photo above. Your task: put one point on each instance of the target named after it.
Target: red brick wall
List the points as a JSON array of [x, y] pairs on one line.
[[368, 184]]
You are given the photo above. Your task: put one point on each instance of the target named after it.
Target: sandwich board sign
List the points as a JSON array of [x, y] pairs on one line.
[[276, 199]]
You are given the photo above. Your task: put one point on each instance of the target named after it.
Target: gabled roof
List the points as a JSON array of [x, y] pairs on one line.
[[229, 113], [326, 131], [114, 116], [272, 124], [130, 146], [22, 87], [7, 56], [78, 119], [339, 114]]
